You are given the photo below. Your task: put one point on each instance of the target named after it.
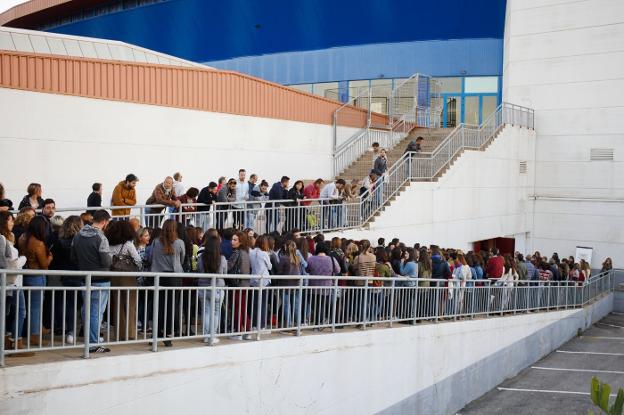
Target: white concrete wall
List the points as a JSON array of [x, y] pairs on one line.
[[565, 60], [67, 143], [424, 369], [482, 196]]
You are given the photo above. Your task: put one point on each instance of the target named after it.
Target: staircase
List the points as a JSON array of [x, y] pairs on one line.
[[359, 169]]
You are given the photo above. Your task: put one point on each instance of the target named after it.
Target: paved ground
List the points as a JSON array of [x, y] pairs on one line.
[[559, 383]]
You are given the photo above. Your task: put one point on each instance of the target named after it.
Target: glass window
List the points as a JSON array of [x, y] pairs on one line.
[[481, 84], [327, 90], [471, 110], [489, 106], [450, 84], [357, 87], [302, 87]]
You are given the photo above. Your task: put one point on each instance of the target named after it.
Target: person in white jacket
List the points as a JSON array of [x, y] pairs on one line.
[[260, 266], [508, 280], [462, 274]]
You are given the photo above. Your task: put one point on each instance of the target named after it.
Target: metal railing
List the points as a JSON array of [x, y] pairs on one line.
[[327, 215], [94, 309]]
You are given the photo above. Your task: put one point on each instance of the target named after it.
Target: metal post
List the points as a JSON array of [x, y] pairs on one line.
[[365, 304], [334, 301], [155, 314], [3, 279], [213, 299], [437, 305], [489, 297], [259, 308], [392, 303], [299, 305], [86, 324]]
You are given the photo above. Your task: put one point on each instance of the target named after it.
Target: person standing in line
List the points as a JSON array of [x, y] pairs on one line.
[[210, 301], [38, 257], [239, 264], [376, 149], [125, 258], [5, 204], [90, 252], [279, 191], [495, 265], [124, 194], [48, 211], [61, 251], [381, 167], [290, 261], [331, 194], [260, 268], [207, 196], [225, 197], [294, 212], [167, 256], [163, 194], [15, 300], [242, 195], [250, 216], [258, 194], [95, 198], [33, 198], [190, 197], [322, 264]]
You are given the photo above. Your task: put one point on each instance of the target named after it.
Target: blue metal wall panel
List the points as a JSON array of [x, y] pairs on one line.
[[470, 57], [206, 30]]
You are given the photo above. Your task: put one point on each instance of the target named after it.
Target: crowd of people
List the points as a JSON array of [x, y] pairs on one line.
[[41, 240]]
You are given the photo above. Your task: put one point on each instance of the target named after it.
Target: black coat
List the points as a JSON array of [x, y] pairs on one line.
[[207, 197], [278, 192], [94, 200], [26, 202]]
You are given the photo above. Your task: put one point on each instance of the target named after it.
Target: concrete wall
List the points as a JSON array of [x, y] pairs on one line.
[[432, 368], [67, 143], [482, 196], [565, 60]]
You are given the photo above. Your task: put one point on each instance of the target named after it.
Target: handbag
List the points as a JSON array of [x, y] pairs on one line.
[[123, 262]]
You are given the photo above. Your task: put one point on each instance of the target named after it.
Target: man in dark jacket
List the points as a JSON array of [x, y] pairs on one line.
[[95, 198], [90, 252], [226, 195], [207, 196], [279, 191], [439, 268]]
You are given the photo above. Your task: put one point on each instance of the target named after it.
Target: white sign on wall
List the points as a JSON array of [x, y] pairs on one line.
[[583, 252]]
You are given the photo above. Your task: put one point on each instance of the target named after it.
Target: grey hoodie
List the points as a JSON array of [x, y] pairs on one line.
[[90, 251]]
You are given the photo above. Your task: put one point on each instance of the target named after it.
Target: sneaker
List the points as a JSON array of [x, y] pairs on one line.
[[69, 339], [168, 343], [235, 337], [213, 342], [248, 337], [99, 349]]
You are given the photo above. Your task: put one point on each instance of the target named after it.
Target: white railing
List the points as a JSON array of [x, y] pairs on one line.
[[427, 166], [150, 307], [327, 215]]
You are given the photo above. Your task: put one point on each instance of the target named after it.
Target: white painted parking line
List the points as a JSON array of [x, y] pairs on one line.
[[596, 353], [602, 337], [610, 325], [545, 391], [617, 372]]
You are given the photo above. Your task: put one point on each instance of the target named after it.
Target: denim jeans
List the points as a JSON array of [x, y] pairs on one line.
[[211, 309], [72, 306], [16, 313], [35, 298], [250, 218], [99, 301], [291, 297]]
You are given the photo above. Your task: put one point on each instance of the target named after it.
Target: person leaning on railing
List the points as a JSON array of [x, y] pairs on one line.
[[124, 194]]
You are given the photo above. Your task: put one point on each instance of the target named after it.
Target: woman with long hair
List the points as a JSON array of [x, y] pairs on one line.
[[239, 264], [63, 261], [38, 256], [289, 264], [121, 236], [260, 266], [167, 256], [33, 197], [16, 305], [294, 210], [22, 220], [322, 264], [211, 261]]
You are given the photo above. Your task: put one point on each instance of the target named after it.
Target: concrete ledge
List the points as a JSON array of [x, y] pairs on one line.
[[428, 368]]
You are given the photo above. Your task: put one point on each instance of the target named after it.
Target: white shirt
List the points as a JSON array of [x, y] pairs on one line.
[[242, 193], [330, 191], [178, 188], [260, 265]]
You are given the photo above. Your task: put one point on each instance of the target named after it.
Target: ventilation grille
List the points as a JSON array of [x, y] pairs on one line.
[[601, 154], [523, 167]]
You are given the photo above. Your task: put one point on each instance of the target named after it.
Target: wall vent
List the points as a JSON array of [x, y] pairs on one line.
[[601, 154], [523, 167]]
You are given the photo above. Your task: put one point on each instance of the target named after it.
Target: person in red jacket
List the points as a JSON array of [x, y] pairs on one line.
[[496, 265], [312, 191]]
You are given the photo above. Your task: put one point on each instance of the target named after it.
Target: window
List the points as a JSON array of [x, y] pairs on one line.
[[450, 85], [481, 84]]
